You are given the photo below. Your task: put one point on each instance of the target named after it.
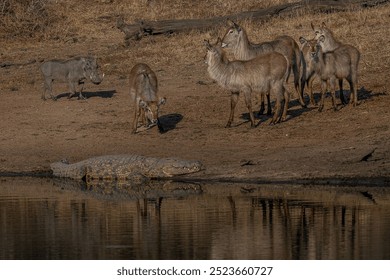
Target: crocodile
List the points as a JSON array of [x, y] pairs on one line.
[[124, 167]]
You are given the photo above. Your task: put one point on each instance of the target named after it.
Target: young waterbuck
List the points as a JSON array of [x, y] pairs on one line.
[[329, 67], [351, 55], [265, 74], [144, 93]]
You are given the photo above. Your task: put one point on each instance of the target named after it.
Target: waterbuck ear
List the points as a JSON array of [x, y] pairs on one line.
[[302, 40], [207, 44], [321, 39], [236, 26], [230, 22], [162, 101]]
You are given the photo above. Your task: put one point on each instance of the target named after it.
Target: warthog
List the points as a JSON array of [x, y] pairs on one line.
[[351, 56], [144, 93], [265, 73], [236, 39], [73, 71], [330, 66]]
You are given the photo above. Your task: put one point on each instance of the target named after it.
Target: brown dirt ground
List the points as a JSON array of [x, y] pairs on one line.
[[34, 133]]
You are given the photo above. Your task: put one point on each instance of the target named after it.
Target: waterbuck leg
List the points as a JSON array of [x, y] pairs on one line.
[[276, 116], [262, 106], [137, 112], [143, 117], [300, 93], [311, 95], [342, 98], [286, 101], [269, 108], [233, 102], [333, 93], [248, 102], [295, 66], [323, 92], [353, 88]]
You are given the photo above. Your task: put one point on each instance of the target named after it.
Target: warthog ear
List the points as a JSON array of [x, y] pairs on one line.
[[219, 42], [302, 40], [323, 24], [312, 26], [162, 101]]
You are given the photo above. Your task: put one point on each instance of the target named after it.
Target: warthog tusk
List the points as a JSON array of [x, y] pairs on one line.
[[103, 75]]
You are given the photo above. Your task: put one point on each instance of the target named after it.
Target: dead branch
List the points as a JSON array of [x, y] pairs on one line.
[[143, 28]]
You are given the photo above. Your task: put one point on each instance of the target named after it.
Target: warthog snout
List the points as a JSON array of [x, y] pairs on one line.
[[96, 78]]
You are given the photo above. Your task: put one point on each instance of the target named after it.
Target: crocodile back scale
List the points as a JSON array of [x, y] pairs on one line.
[[124, 167]]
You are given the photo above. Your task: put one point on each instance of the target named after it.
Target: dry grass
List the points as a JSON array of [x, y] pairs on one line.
[[89, 27], [23, 18]]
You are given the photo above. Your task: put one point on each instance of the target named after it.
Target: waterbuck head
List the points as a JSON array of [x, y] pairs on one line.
[[214, 52], [91, 70], [232, 36], [151, 109], [310, 48], [322, 30]]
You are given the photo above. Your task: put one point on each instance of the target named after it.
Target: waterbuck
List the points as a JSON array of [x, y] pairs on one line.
[[236, 39], [73, 71], [329, 67], [265, 74], [144, 93], [330, 44], [309, 65]]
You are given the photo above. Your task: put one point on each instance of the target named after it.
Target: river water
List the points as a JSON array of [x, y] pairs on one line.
[[53, 219]]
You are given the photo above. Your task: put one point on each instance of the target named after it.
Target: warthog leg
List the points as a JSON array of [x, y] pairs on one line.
[[48, 87], [72, 90], [81, 96]]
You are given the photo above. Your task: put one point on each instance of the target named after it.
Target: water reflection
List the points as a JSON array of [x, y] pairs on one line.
[[46, 219]]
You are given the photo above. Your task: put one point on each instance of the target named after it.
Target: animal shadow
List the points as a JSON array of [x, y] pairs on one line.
[[89, 94], [364, 94], [168, 122], [295, 110]]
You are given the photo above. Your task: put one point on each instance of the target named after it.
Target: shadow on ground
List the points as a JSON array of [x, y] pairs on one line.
[[89, 94], [168, 122]]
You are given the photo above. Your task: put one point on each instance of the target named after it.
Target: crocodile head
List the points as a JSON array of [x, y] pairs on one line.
[[175, 167]]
